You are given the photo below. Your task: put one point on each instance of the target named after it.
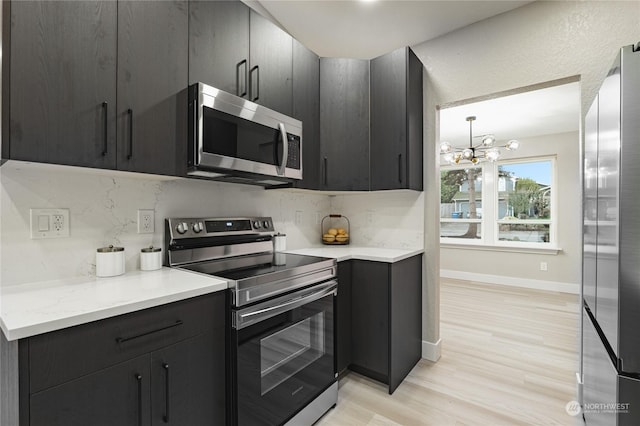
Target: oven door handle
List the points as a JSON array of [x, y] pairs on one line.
[[242, 320]]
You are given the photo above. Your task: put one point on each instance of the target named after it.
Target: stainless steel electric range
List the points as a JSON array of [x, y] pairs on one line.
[[280, 340]]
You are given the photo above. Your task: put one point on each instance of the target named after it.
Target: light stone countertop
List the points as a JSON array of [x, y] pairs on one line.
[[341, 253], [30, 309]]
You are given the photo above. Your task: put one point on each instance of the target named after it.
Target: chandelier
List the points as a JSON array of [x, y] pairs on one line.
[[483, 150]]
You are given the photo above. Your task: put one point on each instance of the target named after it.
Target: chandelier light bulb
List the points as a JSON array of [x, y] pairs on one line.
[[448, 157], [445, 147], [474, 160], [512, 145], [488, 140], [467, 154], [492, 154], [457, 157]]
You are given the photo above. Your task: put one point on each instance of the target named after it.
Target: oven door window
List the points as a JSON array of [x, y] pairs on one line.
[[283, 363], [288, 351]]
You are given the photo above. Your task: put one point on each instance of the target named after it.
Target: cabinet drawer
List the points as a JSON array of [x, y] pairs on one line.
[[66, 354]]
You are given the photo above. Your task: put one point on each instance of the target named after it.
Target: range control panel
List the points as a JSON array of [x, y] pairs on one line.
[[211, 227]]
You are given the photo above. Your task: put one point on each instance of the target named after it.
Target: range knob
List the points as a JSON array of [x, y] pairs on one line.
[[265, 224], [257, 224], [182, 227], [197, 227]]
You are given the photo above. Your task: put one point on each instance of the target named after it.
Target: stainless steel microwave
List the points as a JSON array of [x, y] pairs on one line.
[[233, 139]]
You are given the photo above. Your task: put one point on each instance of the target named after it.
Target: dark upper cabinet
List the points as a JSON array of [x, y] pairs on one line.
[[344, 124], [396, 121], [236, 50], [152, 73], [306, 108], [66, 76], [270, 65], [219, 45], [59, 72]]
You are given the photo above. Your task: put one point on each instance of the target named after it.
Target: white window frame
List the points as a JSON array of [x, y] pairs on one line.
[[490, 208]]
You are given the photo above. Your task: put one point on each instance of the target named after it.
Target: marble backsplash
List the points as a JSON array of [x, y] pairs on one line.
[[103, 210]]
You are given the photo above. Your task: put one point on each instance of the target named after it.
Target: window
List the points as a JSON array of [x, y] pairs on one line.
[[507, 203]]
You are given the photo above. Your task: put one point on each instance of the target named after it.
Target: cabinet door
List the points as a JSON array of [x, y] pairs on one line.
[[189, 382], [405, 293], [114, 396], [63, 82], [396, 121], [388, 120], [152, 71], [306, 108], [270, 69], [343, 317], [344, 124], [219, 45], [370, 319]]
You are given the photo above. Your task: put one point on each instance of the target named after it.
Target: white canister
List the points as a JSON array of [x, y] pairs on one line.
[[110, 261], [150, 258], [279, 242]]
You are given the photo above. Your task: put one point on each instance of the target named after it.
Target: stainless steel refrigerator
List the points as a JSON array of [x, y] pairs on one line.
[[611, 252]]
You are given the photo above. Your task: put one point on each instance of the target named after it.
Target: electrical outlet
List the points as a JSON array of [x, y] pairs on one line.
[[543, 266], [49, 223], [370, 217], [146, 220]]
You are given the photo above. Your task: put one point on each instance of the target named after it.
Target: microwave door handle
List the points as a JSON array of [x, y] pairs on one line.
[[285, 150]]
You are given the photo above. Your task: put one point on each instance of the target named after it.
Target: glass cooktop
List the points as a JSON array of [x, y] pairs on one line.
[[243, 267]]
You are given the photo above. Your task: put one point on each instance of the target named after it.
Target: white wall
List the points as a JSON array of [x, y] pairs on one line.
[[103, 207], [563, 268], [385, 219], [539, 42], [103, 210]]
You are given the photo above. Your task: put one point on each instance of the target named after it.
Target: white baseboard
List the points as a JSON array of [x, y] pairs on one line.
[[571, 288], [431, 351]]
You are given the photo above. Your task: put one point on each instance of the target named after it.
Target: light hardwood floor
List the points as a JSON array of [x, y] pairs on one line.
[[509, 357]]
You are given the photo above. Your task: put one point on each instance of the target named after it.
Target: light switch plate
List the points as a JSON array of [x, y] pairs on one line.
[[49, 223]]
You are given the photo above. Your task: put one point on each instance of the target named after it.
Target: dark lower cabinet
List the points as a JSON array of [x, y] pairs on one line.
[[114, 396], [343, 318], [386, 319], [187, 388], [159, 366]]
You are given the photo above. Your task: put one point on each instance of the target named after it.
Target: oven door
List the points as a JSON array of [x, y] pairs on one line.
[[284, 355]]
